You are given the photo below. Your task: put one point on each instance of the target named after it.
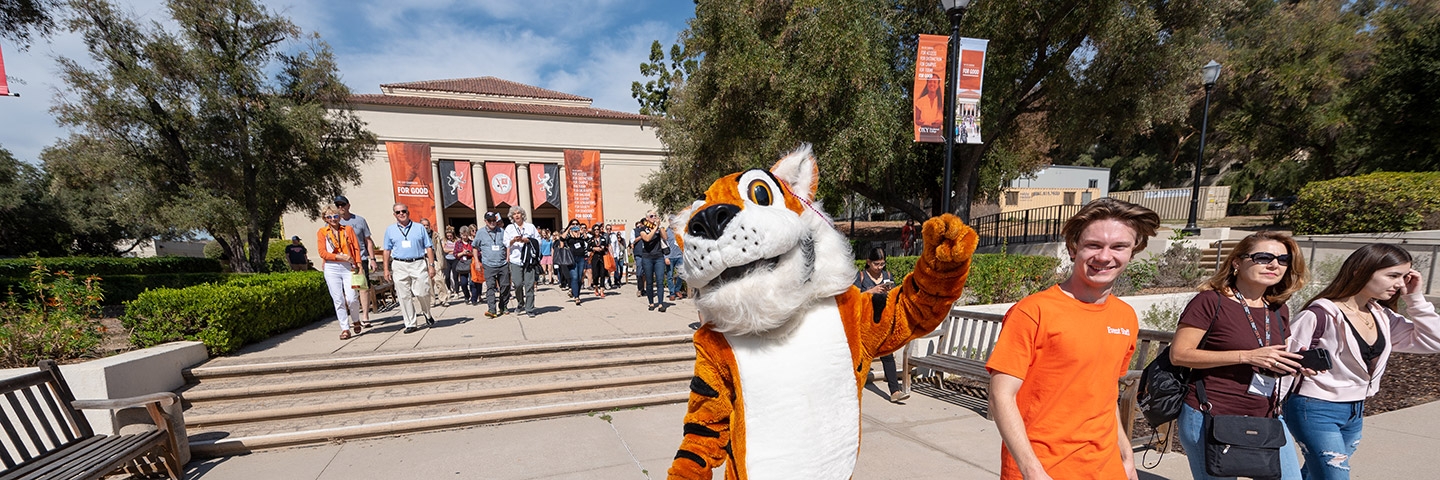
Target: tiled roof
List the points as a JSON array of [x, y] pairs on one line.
[[486, 86], [483, 106]]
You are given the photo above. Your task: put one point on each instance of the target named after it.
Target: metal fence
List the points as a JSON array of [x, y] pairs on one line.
[[1035, 225], [1174, 203]]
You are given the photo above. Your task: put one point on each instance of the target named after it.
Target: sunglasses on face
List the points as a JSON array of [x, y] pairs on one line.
[[342, 204], [397, 212], [332, 217], [1264, 258]]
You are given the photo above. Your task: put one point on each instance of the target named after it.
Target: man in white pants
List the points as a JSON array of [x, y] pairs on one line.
[[409, 263]]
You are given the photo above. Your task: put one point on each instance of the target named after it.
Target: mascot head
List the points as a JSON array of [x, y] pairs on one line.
[[759, 250]]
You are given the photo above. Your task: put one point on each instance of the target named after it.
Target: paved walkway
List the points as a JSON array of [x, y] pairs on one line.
[[934, 435]]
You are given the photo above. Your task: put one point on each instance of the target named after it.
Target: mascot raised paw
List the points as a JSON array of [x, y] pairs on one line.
[[785, 343]]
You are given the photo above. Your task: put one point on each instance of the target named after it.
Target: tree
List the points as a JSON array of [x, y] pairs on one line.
[[839, 75], [27, 223], [20, 19], [209, 142], [1397, 107], [654, 95]]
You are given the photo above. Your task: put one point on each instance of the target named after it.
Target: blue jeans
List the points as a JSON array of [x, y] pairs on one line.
[[672, 272], [1328, 433], [1190, 425], [466, 288], [577, 275], [652, 270]]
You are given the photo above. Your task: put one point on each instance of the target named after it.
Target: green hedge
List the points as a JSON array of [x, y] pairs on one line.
[[994, 277], [1378, 202], [102, 266], [243, 310], [118, 289]]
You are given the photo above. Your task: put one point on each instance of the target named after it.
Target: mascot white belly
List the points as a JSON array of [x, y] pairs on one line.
[[800, 383]]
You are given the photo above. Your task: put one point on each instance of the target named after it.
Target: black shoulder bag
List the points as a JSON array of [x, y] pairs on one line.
[[1241, 445]]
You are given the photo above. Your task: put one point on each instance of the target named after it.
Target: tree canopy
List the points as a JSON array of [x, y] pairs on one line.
[[221, 125]]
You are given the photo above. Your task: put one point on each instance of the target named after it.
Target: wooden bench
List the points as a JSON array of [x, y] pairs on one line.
[[963, 342], [46, 436]]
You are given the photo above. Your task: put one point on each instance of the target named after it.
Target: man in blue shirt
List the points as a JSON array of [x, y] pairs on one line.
[[492, 253], [409, 263]]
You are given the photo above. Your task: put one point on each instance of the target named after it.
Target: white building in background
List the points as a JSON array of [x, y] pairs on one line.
[[487, 119], [1056, 185]]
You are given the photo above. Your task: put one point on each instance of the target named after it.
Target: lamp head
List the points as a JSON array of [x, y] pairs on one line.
[[1210, 73], [951, 5]]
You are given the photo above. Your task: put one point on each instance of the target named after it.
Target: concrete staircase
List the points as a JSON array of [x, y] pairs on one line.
[[237, 408], [1214, 252]]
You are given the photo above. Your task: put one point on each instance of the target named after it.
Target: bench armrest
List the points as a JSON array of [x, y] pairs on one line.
[[165, 399]]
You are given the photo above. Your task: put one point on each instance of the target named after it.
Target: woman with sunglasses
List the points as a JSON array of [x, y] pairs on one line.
[[1233, 334], [599, 246], [341, 251], [1355, 319], [578, 241]]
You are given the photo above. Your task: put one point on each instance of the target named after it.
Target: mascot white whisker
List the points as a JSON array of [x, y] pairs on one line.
[[785, 342]]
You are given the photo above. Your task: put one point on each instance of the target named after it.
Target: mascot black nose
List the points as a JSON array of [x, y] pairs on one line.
[[710, 222]]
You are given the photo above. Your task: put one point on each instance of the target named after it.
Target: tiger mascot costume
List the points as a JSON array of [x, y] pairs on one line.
[[786, 341]]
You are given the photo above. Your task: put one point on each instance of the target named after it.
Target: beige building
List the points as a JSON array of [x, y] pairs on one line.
[[486, 119]]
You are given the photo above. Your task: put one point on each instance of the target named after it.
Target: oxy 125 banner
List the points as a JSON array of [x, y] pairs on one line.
[[410, 171], [969, 79], [930, 87], [582, 184]]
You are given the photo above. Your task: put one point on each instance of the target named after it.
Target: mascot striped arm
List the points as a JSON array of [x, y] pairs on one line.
[[785, 344]]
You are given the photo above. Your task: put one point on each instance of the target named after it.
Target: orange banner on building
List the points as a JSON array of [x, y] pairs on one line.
[[410, 170], [582, 186], [503, 188], [929, 91], [4, 87]]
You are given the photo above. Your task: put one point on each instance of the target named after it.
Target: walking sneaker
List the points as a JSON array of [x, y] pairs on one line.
[[898, 396], [429, 321], [491, 314], [409, 330]]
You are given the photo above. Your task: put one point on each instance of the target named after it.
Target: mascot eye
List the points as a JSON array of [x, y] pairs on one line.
[[759, 193]]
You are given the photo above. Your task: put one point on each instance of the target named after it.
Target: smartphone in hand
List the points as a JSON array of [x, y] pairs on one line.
[[1317, 359]]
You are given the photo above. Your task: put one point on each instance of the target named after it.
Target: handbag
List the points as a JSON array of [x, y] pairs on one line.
[[463, 263], [564, 257], [1240, 445], [1163, 385], [358, 280], [609, 262]]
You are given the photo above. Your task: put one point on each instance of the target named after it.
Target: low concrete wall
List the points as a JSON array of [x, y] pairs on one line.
[[140, 372]]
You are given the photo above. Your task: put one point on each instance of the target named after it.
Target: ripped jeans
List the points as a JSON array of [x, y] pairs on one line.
[[1328, 433]]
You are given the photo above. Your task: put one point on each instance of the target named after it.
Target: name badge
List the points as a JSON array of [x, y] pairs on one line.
[[494, 248], [1262, 385], [405, 244]]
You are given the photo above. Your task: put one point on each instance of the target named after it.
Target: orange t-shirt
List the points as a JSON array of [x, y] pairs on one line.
[[1071, 356]]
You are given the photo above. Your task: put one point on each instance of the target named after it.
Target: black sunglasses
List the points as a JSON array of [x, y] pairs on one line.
[[1264, 258], [397, 212]]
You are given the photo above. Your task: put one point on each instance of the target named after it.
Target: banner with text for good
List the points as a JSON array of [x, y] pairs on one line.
[[582, 186], [410, 172], [930, 87], [969, 78]]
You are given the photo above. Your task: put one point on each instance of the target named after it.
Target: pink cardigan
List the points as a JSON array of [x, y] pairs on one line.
[[1349, 379]]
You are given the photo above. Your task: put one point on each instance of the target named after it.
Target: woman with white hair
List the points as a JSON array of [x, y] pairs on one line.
[[341, 251]]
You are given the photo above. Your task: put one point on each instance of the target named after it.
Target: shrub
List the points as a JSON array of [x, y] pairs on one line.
[[1138, 275], [118, 289], [994, 277], [1179, 266], [244, 309], [51, 317], [1378, 202], [275, 260], [21, 267]]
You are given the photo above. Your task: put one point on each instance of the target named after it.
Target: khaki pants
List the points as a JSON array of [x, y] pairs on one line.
[[412, 282]]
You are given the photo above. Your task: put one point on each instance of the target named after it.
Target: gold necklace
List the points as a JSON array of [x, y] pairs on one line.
[[1363, 315]]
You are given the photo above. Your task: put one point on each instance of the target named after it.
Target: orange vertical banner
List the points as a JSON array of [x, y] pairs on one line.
[[930, 88], [970, 80], [582, 174], [4, 86], [410, 170], [503, 189]]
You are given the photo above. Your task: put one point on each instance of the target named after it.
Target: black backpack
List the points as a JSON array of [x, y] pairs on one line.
[[530, 255]]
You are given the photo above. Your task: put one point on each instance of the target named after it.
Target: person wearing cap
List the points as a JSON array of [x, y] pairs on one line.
[[295, 252], [517, 235], [367, 260], [491, 251], [410, 264]]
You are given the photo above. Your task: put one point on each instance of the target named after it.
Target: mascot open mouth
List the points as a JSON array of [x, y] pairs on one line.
[[738, 271]]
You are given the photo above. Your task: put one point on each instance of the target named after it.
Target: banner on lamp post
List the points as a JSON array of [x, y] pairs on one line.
[[969, 79], [503, 189], [4, 86], [411, 176], [929, 91]]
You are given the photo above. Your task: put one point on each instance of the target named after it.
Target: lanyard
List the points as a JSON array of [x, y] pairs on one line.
[[1256, 328], [405, 230]]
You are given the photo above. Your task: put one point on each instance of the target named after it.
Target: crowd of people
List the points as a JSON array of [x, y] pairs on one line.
[[498, 261]]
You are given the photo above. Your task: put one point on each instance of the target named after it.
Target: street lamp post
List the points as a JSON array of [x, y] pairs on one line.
[[955, 9], [1210, 73]]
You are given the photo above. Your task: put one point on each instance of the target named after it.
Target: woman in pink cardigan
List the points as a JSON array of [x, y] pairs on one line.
[[1355, 319]]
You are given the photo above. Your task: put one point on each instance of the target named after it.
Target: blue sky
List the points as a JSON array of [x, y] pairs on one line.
[[591, 48]]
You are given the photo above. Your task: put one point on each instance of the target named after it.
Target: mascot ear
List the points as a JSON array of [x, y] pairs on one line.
[[800, 170]]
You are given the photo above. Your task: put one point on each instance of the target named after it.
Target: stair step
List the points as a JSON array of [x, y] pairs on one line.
[[279, 433], [387, 374], [303, 405]]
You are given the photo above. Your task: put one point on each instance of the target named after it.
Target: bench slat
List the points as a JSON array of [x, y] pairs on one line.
[[53, 401], [40, 414], [27, 469], [104, 457], [26, 452]]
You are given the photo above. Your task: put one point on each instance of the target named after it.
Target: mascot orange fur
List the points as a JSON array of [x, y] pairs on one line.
[[786, 341]]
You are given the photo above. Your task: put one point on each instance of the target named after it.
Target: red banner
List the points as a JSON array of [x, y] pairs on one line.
[[410, 170], [457, 191], [544, 184], [503, 189], [582, 186], [4, 87], [929, 88]]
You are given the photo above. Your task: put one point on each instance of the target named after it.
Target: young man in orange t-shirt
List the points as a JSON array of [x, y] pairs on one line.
[[1055, 367]]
